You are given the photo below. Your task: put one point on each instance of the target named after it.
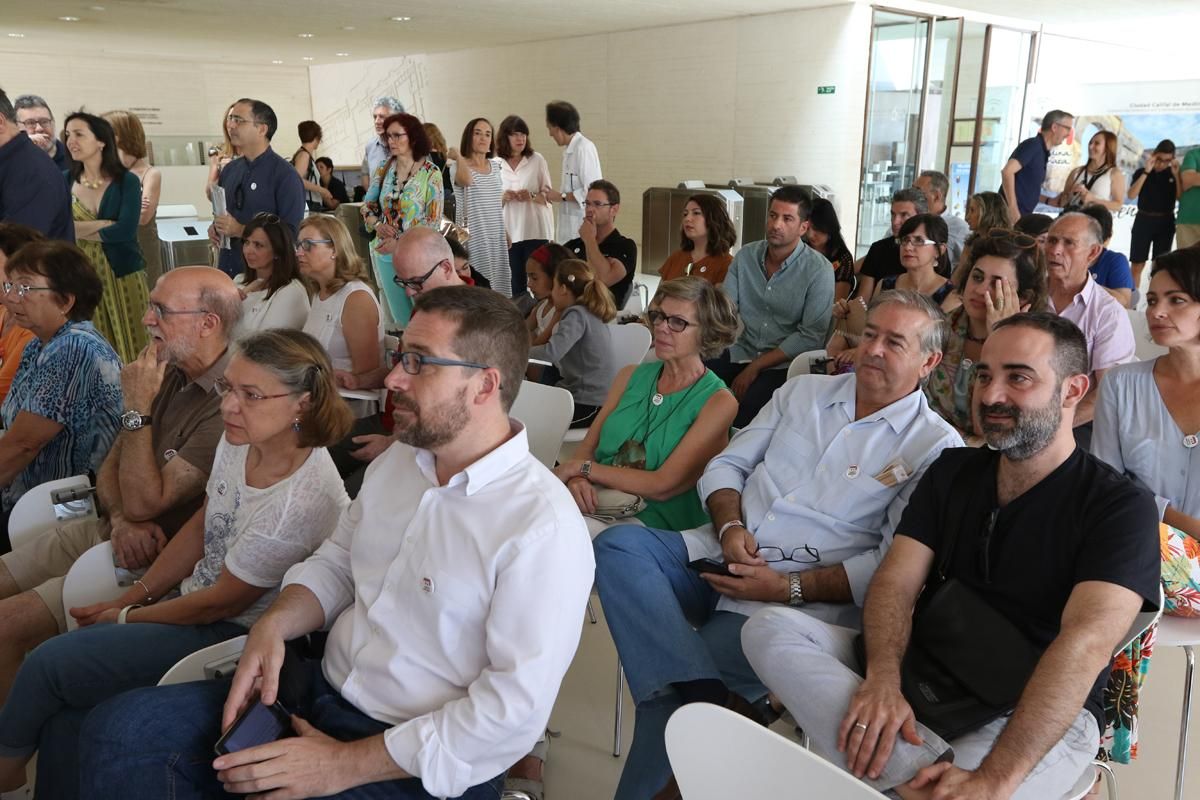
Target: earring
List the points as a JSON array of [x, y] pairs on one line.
[[296, 425]]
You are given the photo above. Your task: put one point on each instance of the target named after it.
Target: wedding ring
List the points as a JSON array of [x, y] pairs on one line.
[[860, 725]]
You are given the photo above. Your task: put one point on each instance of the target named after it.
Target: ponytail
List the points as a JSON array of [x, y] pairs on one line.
[[577, 277]]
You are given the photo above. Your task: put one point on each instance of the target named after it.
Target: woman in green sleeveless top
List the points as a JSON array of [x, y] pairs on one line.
[[662, 422]]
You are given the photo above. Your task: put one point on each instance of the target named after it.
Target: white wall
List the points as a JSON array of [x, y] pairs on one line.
[[710, 101]]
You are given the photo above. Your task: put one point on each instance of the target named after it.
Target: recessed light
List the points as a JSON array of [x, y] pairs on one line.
[[276, 61], [16, 36], [97, 8], [305, 35], [69, 19], [401, 19], [341, 54], [348, 27], [308, 58]]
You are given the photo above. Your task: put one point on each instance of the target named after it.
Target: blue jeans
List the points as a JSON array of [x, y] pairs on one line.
[[165, 735], [65, 677], [663, 620]]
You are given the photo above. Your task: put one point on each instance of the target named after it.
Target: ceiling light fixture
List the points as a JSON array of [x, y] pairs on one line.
[[308, 58], [341, 54], [16, 36], [401, 19], [69, 19], [305, 35], [348, 27], [276, 61], [97, 8]]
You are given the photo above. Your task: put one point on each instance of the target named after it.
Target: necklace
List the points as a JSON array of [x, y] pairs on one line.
[[91, 184], [632, 452]]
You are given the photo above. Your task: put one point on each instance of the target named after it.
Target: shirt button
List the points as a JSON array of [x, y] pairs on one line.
[[771, 517]]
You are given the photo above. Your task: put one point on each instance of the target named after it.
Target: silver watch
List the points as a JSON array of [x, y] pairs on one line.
[[795, 590], [134, 420]]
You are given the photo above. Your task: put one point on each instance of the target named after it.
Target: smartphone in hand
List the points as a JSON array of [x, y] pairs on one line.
[[258, 724], [703, 565]]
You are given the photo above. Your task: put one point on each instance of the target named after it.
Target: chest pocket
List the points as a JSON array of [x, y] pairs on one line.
[[861, 499]]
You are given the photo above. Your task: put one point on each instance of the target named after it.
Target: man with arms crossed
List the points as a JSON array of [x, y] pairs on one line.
[[1061, 545], [454, 586]]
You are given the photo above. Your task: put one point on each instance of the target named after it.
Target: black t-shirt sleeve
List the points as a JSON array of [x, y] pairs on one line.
[[877, 261], [920, 519], [625, 251], [1137, 173], [1123, 545]]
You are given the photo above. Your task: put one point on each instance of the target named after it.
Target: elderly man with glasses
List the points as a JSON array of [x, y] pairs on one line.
[[1022, 177], [259, 180], [154, 476], [35, 117], [32, 189]]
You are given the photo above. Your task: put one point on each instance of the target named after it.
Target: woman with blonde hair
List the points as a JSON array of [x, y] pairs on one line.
[[581, 345], [131, 147], [273, 497], [219, 157], [1098, 180]]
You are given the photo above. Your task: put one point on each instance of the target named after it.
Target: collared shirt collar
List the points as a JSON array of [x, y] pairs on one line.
[[207, 380], [482, 472], [791, 259], [899, 415], [575, 137], [1083, 296]]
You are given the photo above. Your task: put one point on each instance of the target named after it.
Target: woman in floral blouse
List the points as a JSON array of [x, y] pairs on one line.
[[406, 192]]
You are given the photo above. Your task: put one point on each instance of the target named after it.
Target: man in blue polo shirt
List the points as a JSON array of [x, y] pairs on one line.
[[259, 181], [32, 189], [1022, 177]]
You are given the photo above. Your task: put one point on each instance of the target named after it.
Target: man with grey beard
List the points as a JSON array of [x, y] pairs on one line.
[[1033, 530]]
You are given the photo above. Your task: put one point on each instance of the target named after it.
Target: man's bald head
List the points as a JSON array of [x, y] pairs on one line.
[[209, 289], [421, 252]]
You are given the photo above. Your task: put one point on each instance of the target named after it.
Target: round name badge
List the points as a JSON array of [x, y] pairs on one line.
[[253, 186], [222, 487], [169, 454], [852, 471], [1190, 441]]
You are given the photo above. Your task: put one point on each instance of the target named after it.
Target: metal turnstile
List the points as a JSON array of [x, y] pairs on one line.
[[757, 197], [662, 212]]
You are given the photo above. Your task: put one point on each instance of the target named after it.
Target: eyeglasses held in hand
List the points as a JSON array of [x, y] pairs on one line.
[[23, 289], [800, 555], [677, 324], [913, 241], [416, 283], [224, 388], [412, 362], [308, 244]]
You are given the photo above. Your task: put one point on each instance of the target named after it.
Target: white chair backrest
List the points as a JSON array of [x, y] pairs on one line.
[[704, 742], [629, 343], [215, 661], [34, 512], [546, 412], [91, 579], [802, 364], [1144, 347], [1141, 622]]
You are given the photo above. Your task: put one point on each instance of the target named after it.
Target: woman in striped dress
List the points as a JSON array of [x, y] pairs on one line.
[[478, 193]]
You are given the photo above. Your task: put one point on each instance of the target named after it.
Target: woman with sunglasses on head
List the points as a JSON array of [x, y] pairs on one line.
[[1098, 180], [479, 201], [106, 201], [273, 293], [706, 236], [662, 422], [273, 497], [406, 192], [62, 412], [1002, 274]]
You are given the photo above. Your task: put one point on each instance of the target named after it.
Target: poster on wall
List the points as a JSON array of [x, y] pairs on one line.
[[1139, 114]]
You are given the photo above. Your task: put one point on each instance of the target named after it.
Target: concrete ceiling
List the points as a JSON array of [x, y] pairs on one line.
[[270, 31]]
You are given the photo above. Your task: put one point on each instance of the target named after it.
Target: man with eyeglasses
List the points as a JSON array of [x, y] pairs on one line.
[[32, 189], [1031, 529], [453, 590], [35, 117], [936, 188], [612, 257], [1024, 173], [1073, 244], [803, 503], [375, 152], [153, 479], [258, 181]]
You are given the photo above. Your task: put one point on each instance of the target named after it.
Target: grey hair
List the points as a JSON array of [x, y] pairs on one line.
[[1055, 117], [914, 196], [717, 315], [1093, 225], [390, 103], [32, 101], [937, 180], [226, 305], [933, 338]]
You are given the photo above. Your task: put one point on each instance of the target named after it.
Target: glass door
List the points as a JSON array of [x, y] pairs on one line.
[[1008, 60]]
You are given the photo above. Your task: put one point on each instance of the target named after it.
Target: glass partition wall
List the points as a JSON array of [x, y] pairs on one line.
[[943, 93]]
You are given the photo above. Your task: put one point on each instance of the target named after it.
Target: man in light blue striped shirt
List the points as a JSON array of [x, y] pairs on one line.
[[783, 290]]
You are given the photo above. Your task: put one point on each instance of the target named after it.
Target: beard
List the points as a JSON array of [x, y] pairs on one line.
[[434, 430], [1032, 429]]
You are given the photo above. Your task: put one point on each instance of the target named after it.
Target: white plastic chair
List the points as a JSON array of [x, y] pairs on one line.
[[705, 741], [92, 579], [34, 512], [802, 364], [546, 412], [212, 662], [1185, 633], [1144, 347], [629, 344]]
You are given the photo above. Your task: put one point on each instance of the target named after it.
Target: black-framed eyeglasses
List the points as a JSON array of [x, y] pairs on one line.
[[225, 388], [913, 241], [308, 244], [800, 555], [412, 362], [391, 137], [34, 124], [675, 323], [23, 288], [416, 283], [162, 312]]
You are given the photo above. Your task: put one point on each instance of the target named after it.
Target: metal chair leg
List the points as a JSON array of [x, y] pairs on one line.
[[1110, 779], [591, 611], [1181, 763], [619, 709]]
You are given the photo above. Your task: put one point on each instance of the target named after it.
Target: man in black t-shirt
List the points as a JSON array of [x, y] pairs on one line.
[[883, 259], [1156, 187], [1059, 544], [611, 256]]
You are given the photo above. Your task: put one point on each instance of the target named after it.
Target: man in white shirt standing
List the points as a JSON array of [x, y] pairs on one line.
[[580, 168], [936, 188], [454, 588]]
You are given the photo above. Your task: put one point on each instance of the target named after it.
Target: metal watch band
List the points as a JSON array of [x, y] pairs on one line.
[[795, 590]]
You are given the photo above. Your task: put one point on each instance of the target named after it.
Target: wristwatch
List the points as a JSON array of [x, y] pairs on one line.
[[564, 197], [134, 420], [795, 590]]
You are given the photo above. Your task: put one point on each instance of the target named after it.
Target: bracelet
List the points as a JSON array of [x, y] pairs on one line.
[[146, 589], [733, 523], [122, 616]]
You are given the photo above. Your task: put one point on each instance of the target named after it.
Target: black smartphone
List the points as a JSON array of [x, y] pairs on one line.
[[258, 724], [703, 565]]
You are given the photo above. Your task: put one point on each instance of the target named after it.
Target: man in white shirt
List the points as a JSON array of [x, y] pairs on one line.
[[580, 168], [804, 501], [454, 589], [936, 188]]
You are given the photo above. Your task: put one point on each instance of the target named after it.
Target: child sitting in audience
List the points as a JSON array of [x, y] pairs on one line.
[[581, 345], [539, 270]]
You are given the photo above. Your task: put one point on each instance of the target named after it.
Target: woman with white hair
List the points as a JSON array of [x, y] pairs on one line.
[[376, 150]]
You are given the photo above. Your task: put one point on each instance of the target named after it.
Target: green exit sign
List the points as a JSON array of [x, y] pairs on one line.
[[826, 89]]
